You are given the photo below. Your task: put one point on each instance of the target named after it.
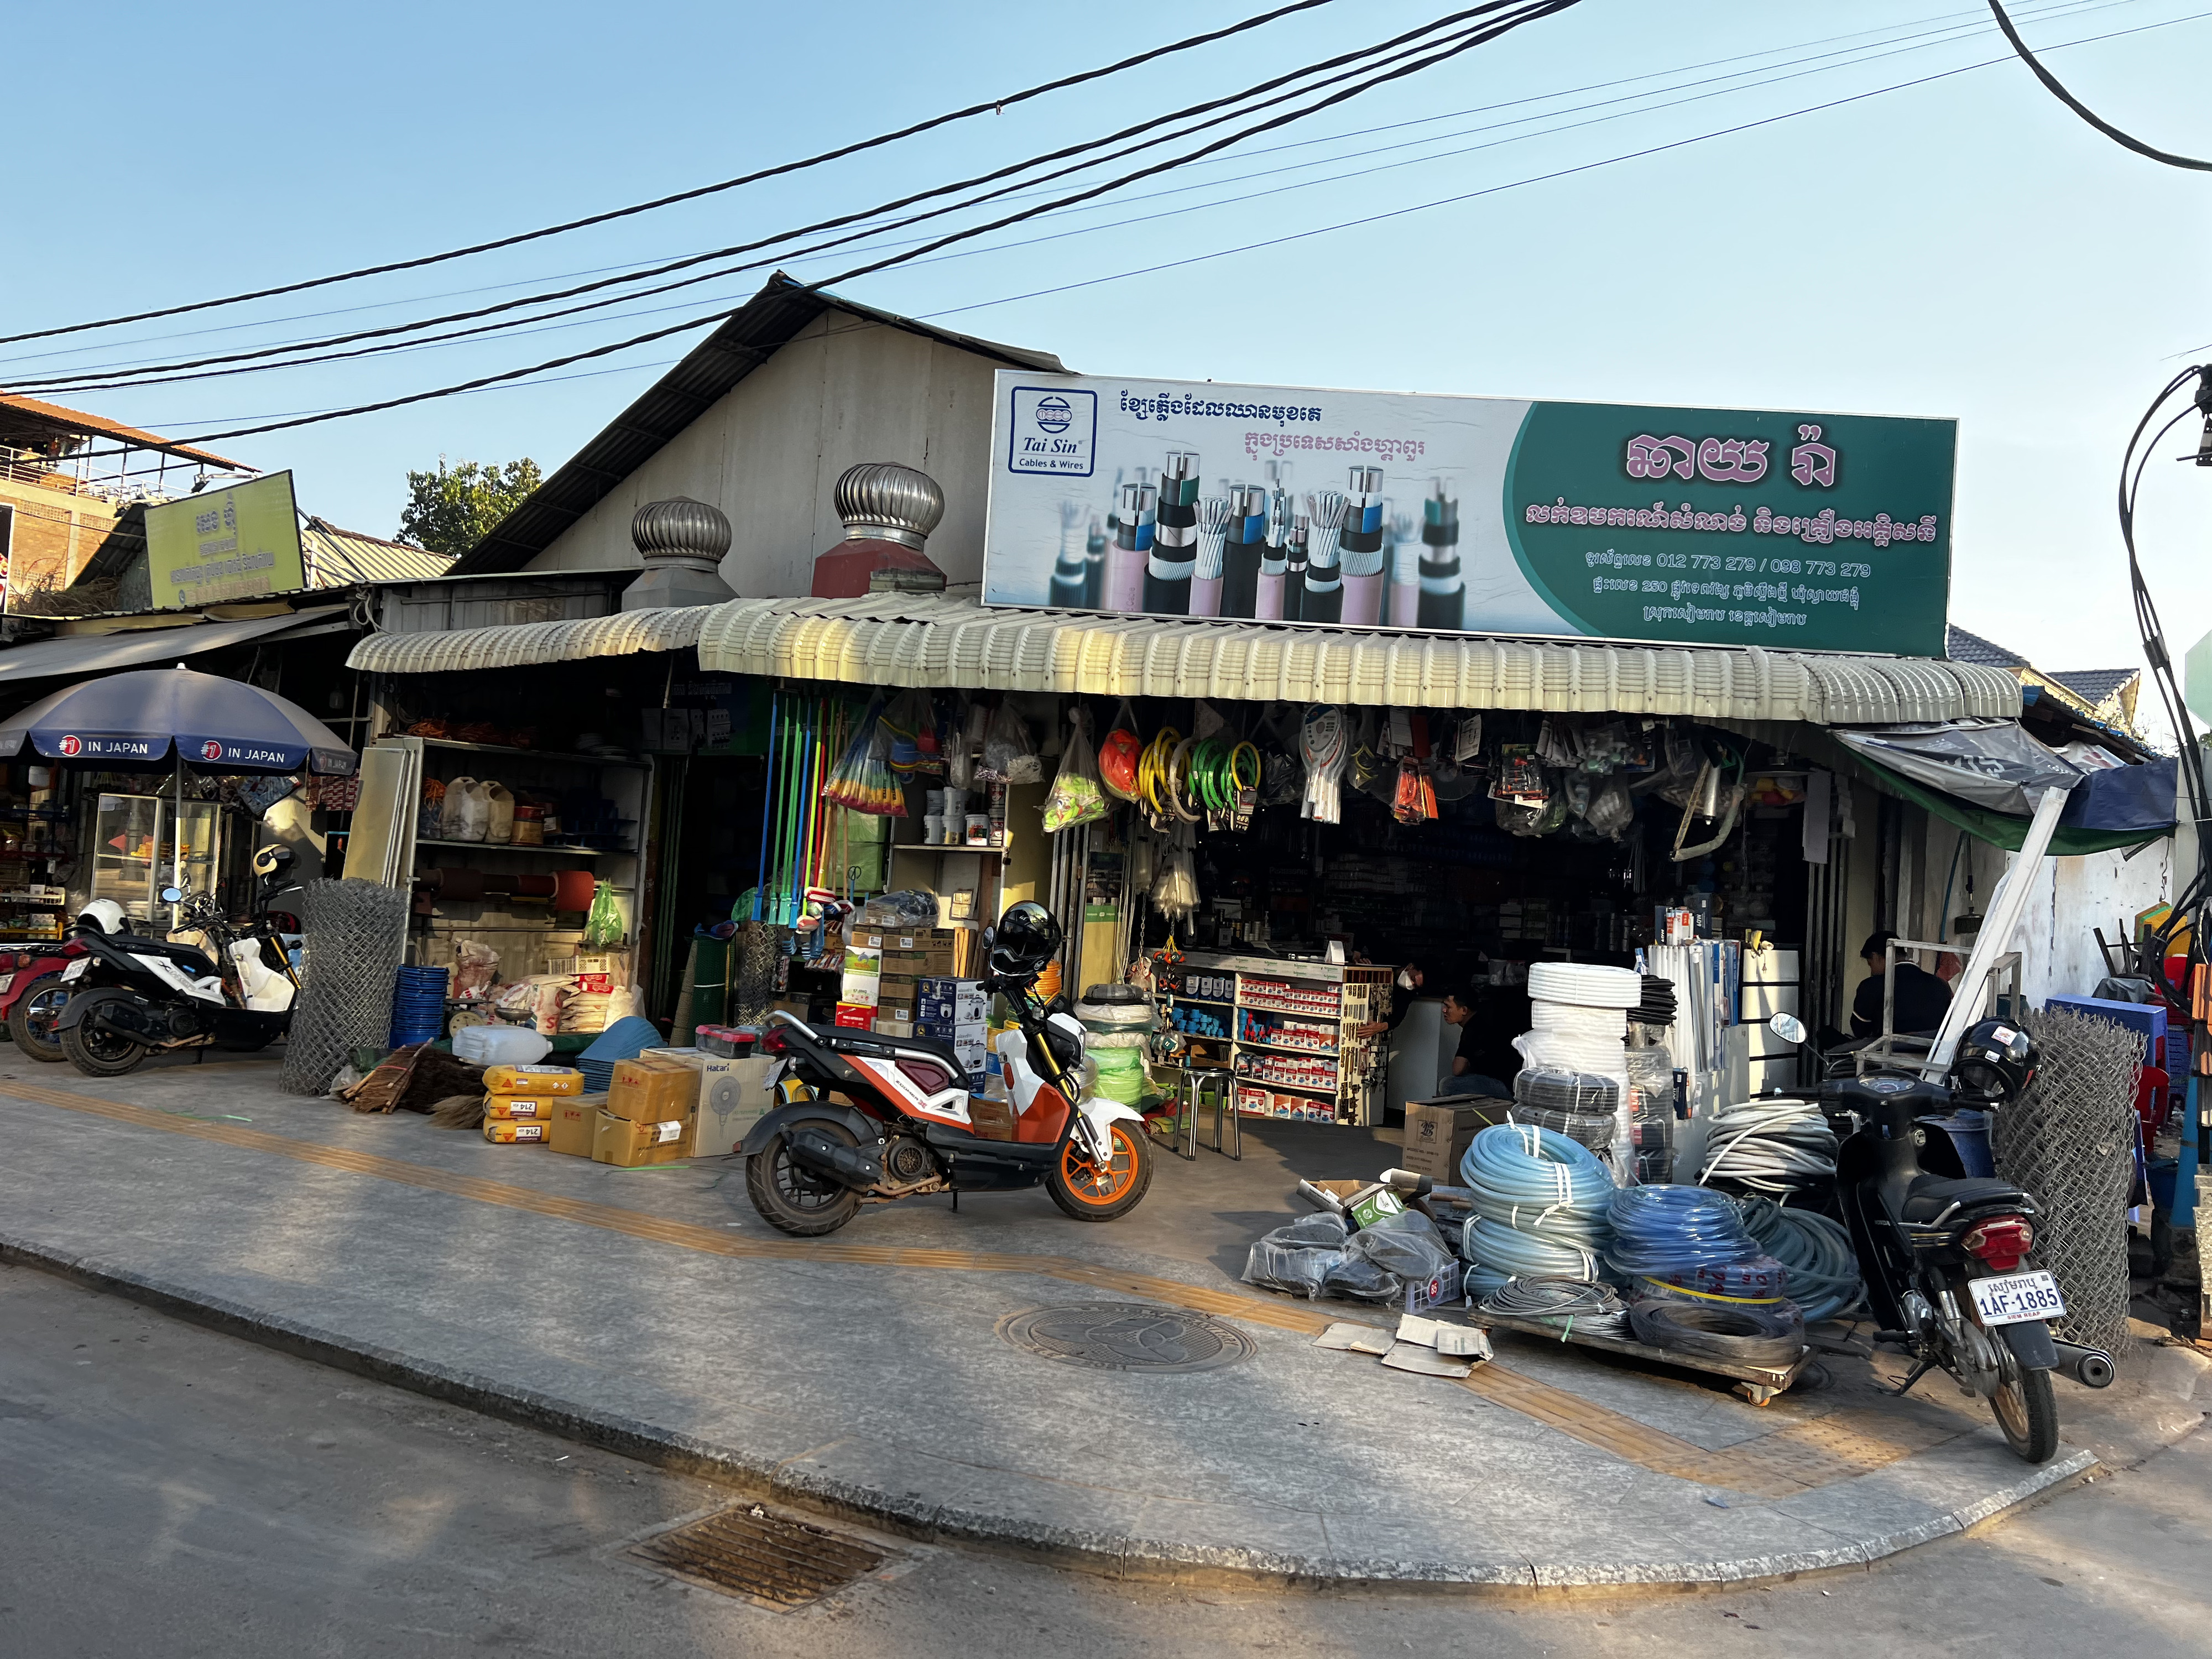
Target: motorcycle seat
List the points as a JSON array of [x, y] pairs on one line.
[[921, 1046], [1930, 1195]]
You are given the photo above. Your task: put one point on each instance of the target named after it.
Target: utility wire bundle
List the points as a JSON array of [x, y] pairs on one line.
[[1541, 1203], [1657, 1007], [1572, 1304], [1770, 1146]]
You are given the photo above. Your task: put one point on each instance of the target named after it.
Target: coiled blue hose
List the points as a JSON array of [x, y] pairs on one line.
[[1823, 1262], [1658, 1231], [1540, 1201]]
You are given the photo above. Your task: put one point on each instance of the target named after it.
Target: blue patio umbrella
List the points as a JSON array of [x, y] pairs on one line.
[[140, 720]]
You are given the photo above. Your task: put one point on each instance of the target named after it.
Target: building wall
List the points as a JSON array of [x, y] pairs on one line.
[[56, 532], [769, 452]]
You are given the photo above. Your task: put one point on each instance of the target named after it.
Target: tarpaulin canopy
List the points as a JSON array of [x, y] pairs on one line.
[[136, 720], [1989, 764], [2107, 810]]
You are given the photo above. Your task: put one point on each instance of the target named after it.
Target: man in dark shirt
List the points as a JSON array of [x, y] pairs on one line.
[[1923, 999], [1459, 1010]]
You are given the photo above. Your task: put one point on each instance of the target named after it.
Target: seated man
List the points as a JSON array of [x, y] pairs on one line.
[[1459, 1010], [1923, 999]]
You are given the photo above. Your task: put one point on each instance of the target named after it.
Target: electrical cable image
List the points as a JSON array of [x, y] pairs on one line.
[[1173, 559], [1443, 589], [1274, 557], [1129, 559], [1207, 577], [1244, 548], [1324, 582]]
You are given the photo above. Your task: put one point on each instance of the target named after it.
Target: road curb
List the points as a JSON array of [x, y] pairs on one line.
[[913, 1516]]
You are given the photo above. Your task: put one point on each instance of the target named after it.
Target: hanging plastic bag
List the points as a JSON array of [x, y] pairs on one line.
[[862, 781], [1414, 798], [1324, 741], [603, 925], [1008, 754], [960, 769], [910, 724], [1075, 797], [1612, 809]]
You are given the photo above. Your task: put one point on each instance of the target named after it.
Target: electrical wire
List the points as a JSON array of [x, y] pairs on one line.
[[2058, 90], [110, 378], [989, 107], [1733, 1336], [1576, 1305]]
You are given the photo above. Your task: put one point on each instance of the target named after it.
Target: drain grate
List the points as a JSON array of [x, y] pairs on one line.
[[1128, 1336], [750, 1553]]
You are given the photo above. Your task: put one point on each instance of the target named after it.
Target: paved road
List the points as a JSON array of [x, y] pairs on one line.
[[172, 1491]]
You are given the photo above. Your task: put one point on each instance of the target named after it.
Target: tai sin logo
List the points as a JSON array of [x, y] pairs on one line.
[[1053, 431]]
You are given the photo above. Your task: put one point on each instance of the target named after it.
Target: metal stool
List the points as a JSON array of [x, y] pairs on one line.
[[1217, 1082]]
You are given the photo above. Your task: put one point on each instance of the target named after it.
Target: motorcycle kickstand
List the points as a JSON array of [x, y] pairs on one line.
[[1918, 1371]]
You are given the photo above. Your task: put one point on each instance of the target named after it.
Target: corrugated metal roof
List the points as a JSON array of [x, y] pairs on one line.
[[769, 322], [74, 422], [941, 639], [339, 558], [521, 645], [95, 654]]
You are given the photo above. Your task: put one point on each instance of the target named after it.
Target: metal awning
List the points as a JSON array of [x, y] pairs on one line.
[[520, 644], [97, 654], [941, 639]]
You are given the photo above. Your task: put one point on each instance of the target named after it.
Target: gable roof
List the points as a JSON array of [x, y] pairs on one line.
[[2094, 685], [770, 320], [339, 558], [1962, 646], [33, 417]]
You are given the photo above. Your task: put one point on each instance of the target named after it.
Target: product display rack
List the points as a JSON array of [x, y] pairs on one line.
[[1291, 1032]]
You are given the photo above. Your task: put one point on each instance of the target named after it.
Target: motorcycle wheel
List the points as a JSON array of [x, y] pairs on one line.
[[2028, 1411], [30, 1021], [101, 1054], [1088, 1192], [792, 1199]]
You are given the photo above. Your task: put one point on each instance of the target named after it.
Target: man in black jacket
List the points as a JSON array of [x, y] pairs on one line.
[[1923, 999]]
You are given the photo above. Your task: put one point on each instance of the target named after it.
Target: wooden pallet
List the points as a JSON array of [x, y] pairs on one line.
[[1757, 1383]]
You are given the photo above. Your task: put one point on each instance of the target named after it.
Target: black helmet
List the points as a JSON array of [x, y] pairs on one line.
[[1027, 938], [1996, 1062]]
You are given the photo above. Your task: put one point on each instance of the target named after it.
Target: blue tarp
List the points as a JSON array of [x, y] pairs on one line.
[[2130, 800]]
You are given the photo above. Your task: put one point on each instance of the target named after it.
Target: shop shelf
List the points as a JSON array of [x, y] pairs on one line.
[[1288, 1049], [1289, 1008], [1200, 1002], [524, 847], [536, 754]]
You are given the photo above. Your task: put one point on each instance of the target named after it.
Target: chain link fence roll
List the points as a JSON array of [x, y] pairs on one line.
[[355, 934], [2070, 1141]]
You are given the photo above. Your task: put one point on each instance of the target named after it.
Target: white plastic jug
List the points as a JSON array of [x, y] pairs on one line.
[[501, 1045], [467, 814]]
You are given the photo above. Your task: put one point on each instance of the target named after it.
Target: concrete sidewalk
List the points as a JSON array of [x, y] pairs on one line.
[[652, 1311]]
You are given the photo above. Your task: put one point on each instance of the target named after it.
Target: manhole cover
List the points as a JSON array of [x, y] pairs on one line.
[[1128, 1336], [748, 1551]]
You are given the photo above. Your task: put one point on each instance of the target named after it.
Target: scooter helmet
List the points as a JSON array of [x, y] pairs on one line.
[[1027, 938], [103, 917], [1117, 763], [1995, 1063]]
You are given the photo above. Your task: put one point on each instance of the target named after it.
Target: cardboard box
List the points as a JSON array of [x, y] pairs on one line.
[[1436, 1136], [993, 1119], [513, 1134], [630, 1145], [733, 1096], [575, 1121], [891, 1025], [857, 1016], [862, 970], [1360, 1202], [523, 1109], [653, 1091]]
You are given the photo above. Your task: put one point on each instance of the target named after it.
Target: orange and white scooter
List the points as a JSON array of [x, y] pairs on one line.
[[880, 1118]]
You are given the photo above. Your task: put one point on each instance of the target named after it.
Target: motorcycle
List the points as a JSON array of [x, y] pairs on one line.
[[32, 991], [1942, 1255], [900, 1124], [134, 994]]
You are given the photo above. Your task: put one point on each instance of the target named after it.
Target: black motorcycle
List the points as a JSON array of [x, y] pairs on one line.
[[134, 994], [1941, 1254]]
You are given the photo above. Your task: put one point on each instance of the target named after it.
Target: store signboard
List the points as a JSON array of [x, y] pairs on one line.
[[238, 542], [1490, 515]]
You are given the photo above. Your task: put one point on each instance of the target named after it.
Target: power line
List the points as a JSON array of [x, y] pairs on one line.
[[995, 106], [2083, 109], [112, 378]]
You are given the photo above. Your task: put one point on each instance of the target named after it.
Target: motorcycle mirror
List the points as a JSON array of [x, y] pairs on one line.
[[172, 896], [1788, 1027]]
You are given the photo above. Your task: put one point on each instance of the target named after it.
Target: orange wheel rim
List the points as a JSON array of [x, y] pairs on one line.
[[1092, 1185]]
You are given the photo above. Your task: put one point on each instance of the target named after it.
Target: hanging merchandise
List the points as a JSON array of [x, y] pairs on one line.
[[1075, 797], [904, 721], [1520, 779], [862, 781], [1175, 888], [1612, 809], [1415, 799], [1225, 778], [1008, 754], [1533, 819], [1324, 744], [1153, 785], [1118, 754], [960, 767], [1558, 742], [603, 927]]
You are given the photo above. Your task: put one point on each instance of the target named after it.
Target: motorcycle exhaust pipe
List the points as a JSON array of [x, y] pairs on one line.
[[847, 1166], [2091, 1367]]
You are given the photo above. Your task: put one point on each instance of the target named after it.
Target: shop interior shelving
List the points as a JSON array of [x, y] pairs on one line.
[[1270, 1081]]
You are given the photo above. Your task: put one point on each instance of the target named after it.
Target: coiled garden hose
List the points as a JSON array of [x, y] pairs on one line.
[[1823, 1263], [1658, 1231], [1540, 1201], [1573, 1303], [1152, 786]]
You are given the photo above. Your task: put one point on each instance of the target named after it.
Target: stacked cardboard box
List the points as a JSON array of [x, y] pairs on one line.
[[956, 1012], [651, 1114]]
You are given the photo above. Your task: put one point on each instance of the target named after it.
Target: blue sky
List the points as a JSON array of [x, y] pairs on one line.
[[1963, 247]]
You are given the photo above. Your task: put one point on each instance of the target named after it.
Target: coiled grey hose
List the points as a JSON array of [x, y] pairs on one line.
[[1581, 1304], [1823, 1263], [1772, 1146]]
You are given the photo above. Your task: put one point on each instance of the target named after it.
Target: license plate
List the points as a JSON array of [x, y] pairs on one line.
[[76, 970], [2017, 1297]]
